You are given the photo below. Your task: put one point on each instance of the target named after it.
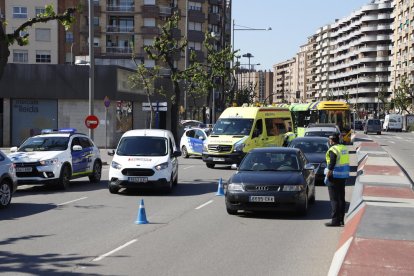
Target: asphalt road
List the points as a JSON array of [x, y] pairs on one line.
[[88, 231]]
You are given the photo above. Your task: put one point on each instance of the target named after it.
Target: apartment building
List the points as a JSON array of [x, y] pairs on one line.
[[43, 46], [322, 62], [310, 86], [403, 42], [301, 81], [284, 79], [361, 56]]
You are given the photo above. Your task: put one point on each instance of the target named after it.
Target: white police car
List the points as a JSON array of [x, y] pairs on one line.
[[56, 157], [191, 142]]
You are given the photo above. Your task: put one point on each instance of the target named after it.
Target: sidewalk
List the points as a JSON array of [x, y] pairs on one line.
[[378, 237]]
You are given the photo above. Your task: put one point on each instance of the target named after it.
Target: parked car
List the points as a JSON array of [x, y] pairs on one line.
[[373, 125], [269, 179], [56, 157], [323, 130], [8, 180], [191, 142], [315, 149], [358, 125], [144, 158]]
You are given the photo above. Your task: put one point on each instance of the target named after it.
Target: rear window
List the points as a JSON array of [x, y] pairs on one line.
[[374, 122]]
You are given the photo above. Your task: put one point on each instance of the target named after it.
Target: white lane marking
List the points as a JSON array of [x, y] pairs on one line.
[[67, 202], [113, 251], [391, 142], [188, 167], [205, 204], [398, 137]]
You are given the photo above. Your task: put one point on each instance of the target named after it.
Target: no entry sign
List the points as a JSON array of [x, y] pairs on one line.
[[91, 121]]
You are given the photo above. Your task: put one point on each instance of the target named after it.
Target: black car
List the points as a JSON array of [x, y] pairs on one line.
[[271, 179], [358, 125], [315, 149]]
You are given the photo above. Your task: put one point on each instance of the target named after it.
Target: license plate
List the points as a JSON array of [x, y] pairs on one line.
[[218, 159], [138, 179], [24, 169], [262, 199]]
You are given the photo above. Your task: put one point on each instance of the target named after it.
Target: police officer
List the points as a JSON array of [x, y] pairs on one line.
[[337, 160]]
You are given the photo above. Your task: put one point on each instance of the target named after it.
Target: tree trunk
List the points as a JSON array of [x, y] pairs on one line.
[[174, 111], [4, 49]]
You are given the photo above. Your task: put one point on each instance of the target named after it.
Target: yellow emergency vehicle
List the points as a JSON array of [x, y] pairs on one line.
[[241, 129]]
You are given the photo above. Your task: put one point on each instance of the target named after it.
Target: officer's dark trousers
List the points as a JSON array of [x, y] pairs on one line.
[[337, 197]]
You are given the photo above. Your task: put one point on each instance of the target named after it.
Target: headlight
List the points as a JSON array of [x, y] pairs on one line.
[[239, 147], [49, 162], [235, 187], [162, 166], [205, 148], [116, 165], [293, 188]]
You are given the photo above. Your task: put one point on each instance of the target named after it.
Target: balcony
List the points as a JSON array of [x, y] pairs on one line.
[[146, 30], [150, 11], [196, 16], [165, 11], [120, 8], [119, 50], [199, 55], [214, 18], [119, 29]]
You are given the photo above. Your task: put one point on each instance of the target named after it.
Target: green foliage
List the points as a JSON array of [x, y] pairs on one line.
[[347, 96], [402, 95], [244, 96], [410, 128]]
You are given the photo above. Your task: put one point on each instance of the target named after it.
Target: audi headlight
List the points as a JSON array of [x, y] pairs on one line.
[[116, 165], [49, 162], [235, 187], [293, 188], [162, 166]]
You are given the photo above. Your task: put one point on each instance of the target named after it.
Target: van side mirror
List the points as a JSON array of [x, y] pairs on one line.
[[111, 152], [77, 148]]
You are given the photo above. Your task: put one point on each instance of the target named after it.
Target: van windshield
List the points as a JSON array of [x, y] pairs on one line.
[[233, 126], [142, 146]]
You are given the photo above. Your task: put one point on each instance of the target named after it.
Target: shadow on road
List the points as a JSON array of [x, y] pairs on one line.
[[20, 210]]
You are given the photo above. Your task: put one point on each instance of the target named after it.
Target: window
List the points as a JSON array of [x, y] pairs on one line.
[[96, 41], [20, 56], [19, 12], [195, 26], [149, 22], [148, 41], [43, 56], [43, 34], [149, 2], [193, 6], [149, 63], [194, 45], [96, 21], [69, 37], [39, 10]]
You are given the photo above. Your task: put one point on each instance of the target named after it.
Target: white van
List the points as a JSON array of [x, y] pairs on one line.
[[144, 158], [393, 122]]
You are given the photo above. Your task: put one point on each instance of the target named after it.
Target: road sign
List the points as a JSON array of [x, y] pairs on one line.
[[91, 121], [107, 102], [157, 106]]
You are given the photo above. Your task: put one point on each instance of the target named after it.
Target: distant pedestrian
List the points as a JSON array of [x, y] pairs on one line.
[[337, 160]]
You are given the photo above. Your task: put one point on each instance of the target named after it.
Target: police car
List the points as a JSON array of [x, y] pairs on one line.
[[191, 142], [55, 157]]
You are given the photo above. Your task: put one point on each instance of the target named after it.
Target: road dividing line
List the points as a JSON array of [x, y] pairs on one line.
[[113, 251], [392, 142], [67, 202], [188, 167], [205, 204]]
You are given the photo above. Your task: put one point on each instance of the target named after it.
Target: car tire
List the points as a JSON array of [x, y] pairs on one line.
[[231, 211], [379, 132], [175, 183], [95, 177], [64, 178], [113, 189], [184, 152], [386, 129], [303, 207], [210, 165], [5, 193], [312, 199], [170, 186]]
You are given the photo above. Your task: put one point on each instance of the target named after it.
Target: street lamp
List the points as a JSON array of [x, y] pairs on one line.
[[91, 64], [249, 56]]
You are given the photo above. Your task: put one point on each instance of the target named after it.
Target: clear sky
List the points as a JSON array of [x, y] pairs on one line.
[[292, 22]]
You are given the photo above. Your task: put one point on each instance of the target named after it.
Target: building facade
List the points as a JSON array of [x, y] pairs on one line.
[[322, 62], [284, 79]]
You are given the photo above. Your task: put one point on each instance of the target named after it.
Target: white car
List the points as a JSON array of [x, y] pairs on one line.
[[55, 158], [144, 158], [8, 180], [191, 142]]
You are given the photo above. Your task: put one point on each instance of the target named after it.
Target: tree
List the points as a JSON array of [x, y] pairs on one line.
[[6, 40], [164, 50], [347, 96], [403, 95], [145, 78], [383, 98]]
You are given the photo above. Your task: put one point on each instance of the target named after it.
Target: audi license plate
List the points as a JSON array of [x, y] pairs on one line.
[[262, 199], [24, 169], [138, 179], [218, 159]]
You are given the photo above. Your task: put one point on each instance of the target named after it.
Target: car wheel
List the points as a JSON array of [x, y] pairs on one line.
[[312, 199], [5, 193], [386, 129], [113, 189], [231, 211], [303, 207], [379, 132], [169, 188], [64, 178], [210, 165], [176, 180], [184, 152], [96, 172]]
